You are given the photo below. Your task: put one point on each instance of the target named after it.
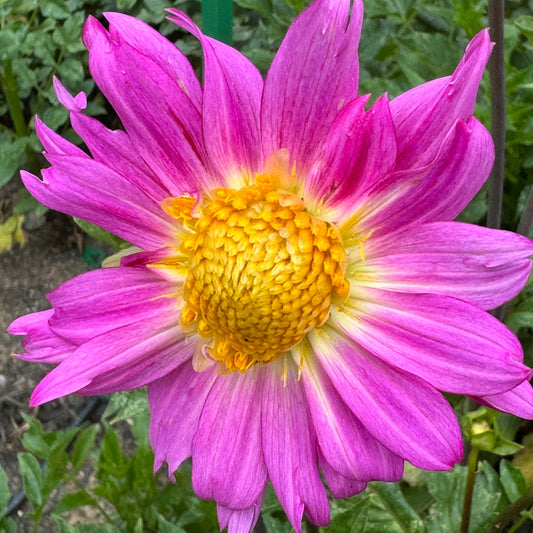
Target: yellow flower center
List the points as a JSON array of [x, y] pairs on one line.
[[262, 272]]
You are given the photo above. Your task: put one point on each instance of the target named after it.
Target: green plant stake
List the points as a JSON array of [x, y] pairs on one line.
[[217, 19]]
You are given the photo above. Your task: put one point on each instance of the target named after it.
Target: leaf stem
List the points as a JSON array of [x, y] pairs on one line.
[[469, 489], [497, 104], [8, 82], [512, 511], [95, 499], [311, 528], [9, 86]]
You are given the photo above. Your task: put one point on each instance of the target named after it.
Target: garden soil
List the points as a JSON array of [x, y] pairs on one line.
[[51, 255]]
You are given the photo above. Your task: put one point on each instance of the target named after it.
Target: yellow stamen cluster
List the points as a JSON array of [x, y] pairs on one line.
[[262, 272]]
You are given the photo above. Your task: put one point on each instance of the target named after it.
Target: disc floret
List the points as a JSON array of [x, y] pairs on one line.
[[262, 272]]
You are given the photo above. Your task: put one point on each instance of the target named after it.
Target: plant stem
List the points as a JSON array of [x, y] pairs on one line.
[[526, 220], [260, 526], [497, 103], [95, 499], [469, 489], [8, 82], [9, 86], [311, 528], [512, 511]]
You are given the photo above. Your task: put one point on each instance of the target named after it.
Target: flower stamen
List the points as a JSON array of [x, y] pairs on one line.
[[262, 272]]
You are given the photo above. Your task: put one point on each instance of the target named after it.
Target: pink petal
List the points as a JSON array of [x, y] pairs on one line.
[[176, 402], [122, 359], [227, 457], [54, 143], [483, 266], [159, 116], [314, 74], [402, 411], [147, 41], [41, 344], [437, 191], [84, 188], [517, 401], [344, 442], [360, 151], [237, 520], [289, 448], [453, 345], [102, 300], [339, 485], [113, 148], [231, 105], [424, 115]]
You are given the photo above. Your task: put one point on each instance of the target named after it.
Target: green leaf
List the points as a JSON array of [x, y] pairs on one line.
[[5, 494], [525, 24], [65, 527], [101, 234], [448, 490], [512, 480], [83, 446], [71, 70], [138, 526], [164, 526], [73, 501], [12, 155], [489, 499], [127, 404], [264, 7], [26, 203], [394, 501], [32, 478], [111, 460], [382, 507], [56, 9]]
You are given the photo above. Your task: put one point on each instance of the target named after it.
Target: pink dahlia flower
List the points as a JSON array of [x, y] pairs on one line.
[[299, 295]]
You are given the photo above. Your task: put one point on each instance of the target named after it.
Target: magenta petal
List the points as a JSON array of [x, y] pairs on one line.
[[433, 337], [344, 442], [360, 151], [424, 115], [483, 266], [227, 460], [289, 447], [314, 73], [54, 143], [147, 41], [159, 116], [237, 520], [112, 148], [41, 343], [232, 98], [339, 485], [517, 401], [122, 359], [399, 409], [86, 189], [437, 191], [176, 402], [102, 300]]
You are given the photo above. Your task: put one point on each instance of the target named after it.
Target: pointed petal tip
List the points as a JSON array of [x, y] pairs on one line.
[[182, 20], [94, 33], [72, 103]]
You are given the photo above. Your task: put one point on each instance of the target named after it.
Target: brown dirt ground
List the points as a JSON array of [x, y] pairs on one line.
[[51, 255]]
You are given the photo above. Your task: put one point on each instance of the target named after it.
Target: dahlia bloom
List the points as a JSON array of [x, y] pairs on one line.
[[298, 294]]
